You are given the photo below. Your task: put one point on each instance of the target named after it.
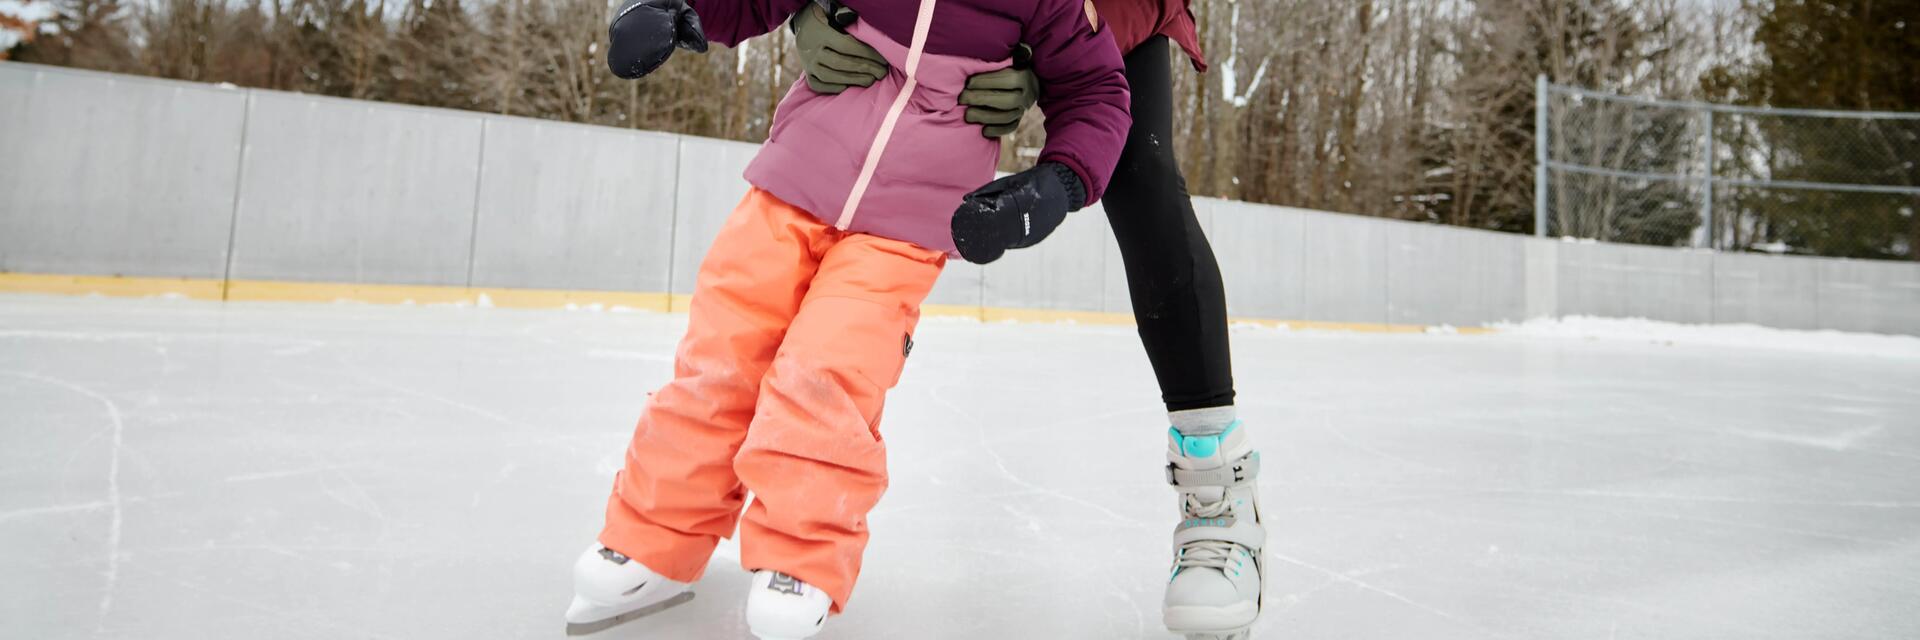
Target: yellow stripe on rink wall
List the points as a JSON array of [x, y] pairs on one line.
[[277, 291], [281, 291], [197, 289]]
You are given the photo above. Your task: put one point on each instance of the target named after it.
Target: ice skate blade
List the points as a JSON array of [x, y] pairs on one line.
[[584, 628], [782, 636]]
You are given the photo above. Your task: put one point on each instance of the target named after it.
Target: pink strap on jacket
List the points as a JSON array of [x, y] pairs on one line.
[[921, 27]]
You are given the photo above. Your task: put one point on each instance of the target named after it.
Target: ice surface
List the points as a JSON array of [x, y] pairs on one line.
[[179, 469]]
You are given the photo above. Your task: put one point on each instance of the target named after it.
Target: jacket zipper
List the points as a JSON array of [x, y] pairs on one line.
[[921, 26]]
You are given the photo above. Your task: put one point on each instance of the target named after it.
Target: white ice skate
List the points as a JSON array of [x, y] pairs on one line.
[[610, 589], [781, 607], [1214, 592]]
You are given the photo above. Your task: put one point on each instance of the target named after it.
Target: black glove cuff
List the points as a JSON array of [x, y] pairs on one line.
[[1076, 191]]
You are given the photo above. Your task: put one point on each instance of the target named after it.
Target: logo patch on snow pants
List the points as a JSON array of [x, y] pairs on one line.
[[783, 583]]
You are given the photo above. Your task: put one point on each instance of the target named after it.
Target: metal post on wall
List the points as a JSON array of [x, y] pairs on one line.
[[1706, 204], [1540, 156]]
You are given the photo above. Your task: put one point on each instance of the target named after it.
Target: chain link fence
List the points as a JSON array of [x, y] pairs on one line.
[[1807, 182]]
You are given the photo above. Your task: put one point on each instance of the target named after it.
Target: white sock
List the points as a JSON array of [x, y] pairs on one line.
[[1210, 421]]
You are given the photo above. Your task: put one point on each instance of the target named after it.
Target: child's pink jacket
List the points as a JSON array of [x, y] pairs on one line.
[[895, 159]]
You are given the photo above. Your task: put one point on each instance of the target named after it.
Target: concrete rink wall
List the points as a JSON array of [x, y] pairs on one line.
[[109, 175], [98, 173], [546, 190], [335, 190]]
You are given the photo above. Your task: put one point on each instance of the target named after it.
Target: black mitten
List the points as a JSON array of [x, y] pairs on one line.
[[1016, 212], [645, 32]]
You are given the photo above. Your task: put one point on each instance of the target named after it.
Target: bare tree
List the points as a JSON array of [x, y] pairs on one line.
[[1414, 109]]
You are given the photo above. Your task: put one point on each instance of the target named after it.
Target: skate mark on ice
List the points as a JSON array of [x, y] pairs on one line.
[[113, 481], [619, 354], [1842, 441], [1001, 464], [1028, 437], [290, 553], [58, 508], [1350, 578], [276, 612], [498, 479], [1704, 618], [286, 473], [295, 550], [79, 336], [1033, 489], [303, 345], [545, 439], [1033, 522], [1131, 605], [1326, 425], [1675, 497], [355, 496], [365, 376], [299, 348], [94, 505], [446, 401], [1676, 517], [1290, 600]]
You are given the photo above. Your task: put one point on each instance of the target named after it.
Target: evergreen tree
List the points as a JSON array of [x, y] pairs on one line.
[[1489, 153], [435, 55], [1830, 54]]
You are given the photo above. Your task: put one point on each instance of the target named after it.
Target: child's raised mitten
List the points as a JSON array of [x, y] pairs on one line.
[[645, 32], [1016, 212]]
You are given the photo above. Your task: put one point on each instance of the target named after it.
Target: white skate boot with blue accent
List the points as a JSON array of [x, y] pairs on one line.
[[1214, 592], [609, 588]]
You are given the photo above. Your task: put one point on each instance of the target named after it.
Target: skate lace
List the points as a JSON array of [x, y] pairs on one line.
[[1212, 554]]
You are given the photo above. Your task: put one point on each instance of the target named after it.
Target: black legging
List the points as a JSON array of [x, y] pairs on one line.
[[1177, 296]]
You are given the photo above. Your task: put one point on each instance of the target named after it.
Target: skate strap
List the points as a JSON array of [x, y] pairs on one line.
[[1250, 534], [1240, 472]]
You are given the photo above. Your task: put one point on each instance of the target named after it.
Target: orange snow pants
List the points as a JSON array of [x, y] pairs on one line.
[[795, 333]]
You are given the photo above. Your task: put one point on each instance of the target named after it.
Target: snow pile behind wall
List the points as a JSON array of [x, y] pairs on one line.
[[1726, 335], [19, 19]]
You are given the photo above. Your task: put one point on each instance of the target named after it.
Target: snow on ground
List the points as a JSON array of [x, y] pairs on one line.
[[182, 469], [29, 10], [1740, 336]]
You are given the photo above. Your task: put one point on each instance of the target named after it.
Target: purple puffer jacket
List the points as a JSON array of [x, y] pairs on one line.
[[895, 159]]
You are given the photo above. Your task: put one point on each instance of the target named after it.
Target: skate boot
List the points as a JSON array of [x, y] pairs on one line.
[[1214, 592], [781, 607], [610, 589]]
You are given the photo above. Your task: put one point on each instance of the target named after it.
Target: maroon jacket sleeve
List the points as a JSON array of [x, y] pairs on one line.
[[731, 22], [1083, 91]]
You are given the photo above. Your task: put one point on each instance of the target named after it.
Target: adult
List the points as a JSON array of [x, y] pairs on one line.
[[1214, 592]]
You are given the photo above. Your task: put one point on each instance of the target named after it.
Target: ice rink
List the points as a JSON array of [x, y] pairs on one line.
[[177, 469]]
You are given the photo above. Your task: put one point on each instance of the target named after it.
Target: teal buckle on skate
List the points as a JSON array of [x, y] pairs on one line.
[[1201, 446]]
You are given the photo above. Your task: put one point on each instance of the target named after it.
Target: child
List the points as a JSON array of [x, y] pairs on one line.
[[804, 309]]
